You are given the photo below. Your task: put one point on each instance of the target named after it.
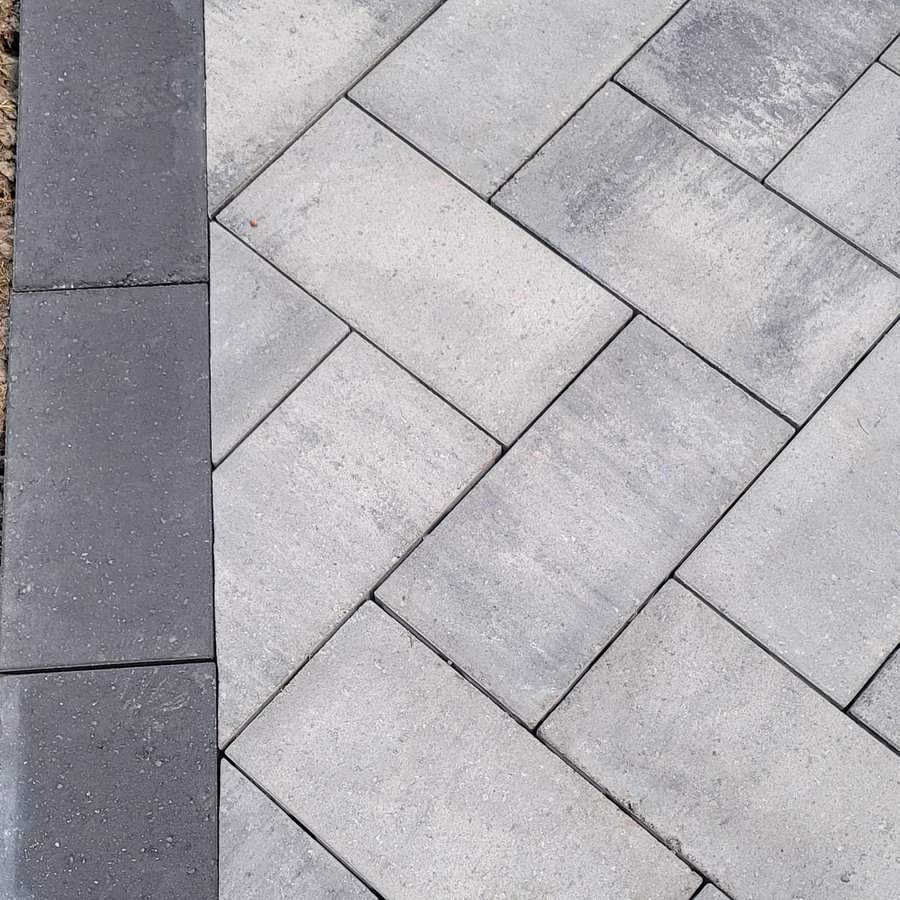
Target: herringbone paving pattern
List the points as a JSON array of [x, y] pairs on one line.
[[556, 414]]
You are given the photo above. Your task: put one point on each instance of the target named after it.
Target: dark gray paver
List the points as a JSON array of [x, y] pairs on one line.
[[480, 86], [761, 782], [483, 313], [751, 283], [265, 335], [110, 176], [847, 170], [809, 560], [540, 565], [427, 789], [879, 704], [264, 855], [751, 77], [273, 65], [108, 780], [107, 534], [891, 56], [314, 508]]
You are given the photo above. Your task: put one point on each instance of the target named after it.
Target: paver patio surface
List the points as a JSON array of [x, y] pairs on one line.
[[523, 401]]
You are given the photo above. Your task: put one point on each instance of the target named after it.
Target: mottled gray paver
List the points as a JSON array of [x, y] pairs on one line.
[[108, 779], [107, 536], [110, 185], [317, 505], [265, 335], [273, 65], [264, 855], [759, 781], [751, 283], [427, 789], [879, 704], [480, 86], [482, 312], [751, 77], [847, 170], [891, 56], [809, 560], [540, 565]]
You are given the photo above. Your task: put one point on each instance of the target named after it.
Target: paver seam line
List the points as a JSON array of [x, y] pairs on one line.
[[587, 100], [841, 709], [547, 246], [281, 400], [368, 595], [80, 289], [322, 111], [869, 681], [888, 66], [334, 854], [830, 107], [102, 666]]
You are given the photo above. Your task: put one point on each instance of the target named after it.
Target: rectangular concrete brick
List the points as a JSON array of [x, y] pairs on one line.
[[482, 312], [751, 77], [759, 781], [846, 171], [751, 283], [110, 181], [273, 65], [427, 789], [480, 86], [264, 855], [109, 784], [265, 334], [879, 704], [540, 565], [891, 56], [314, 508], [107, 537], [809, 560]]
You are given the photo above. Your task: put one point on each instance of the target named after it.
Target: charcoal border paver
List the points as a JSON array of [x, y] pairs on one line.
[[110, 161], [108, 778]]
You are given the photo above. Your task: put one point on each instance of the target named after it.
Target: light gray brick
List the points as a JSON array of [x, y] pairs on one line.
[[846, 171], [427, 789], [751, 283], [273, 65], [266, 334], [263, 855], [879, 704], [315, 507], [891, 56], [751, 77], [540, 565], [759, 781], [808, 560], [483, 313], [480, 86]]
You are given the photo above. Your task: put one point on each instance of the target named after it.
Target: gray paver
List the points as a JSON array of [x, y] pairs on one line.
[[760, 782], [107, 535], [265, 335], [846, 171], [751, 283], [751, 77], [711, 892], [482, 312], [317, 505], [108, 779], [480, 86], [266, 856], [809, 560], [879, 704], [535, 570], [110, 185], [429, 790], [891, 56], [273, 65]]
